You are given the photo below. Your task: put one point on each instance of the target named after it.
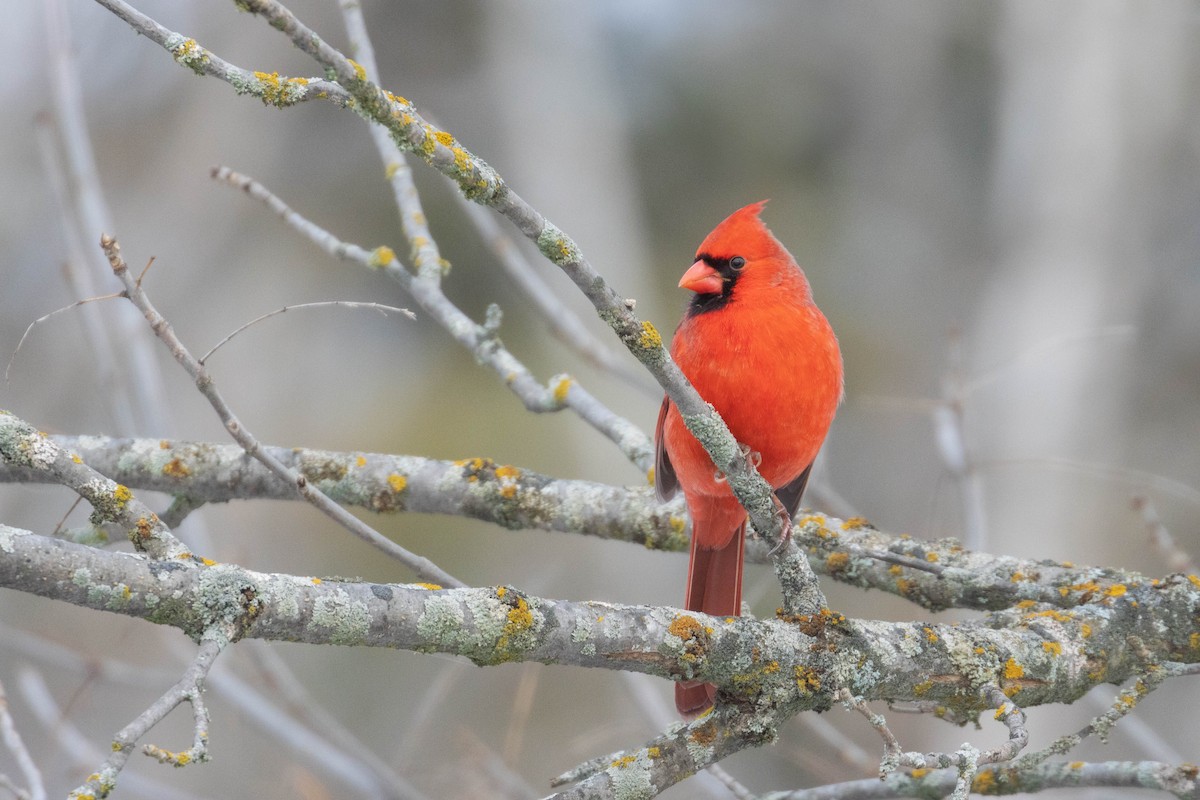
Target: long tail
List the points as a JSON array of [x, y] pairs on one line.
[[714, 587]]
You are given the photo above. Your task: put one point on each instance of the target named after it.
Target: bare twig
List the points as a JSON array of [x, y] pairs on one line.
[[565, 325], [967, 759], [126, 358], [204, 382], [382, 309], [44, 318], [189, 689], [15, 745], [82, 753], [1178, 560]]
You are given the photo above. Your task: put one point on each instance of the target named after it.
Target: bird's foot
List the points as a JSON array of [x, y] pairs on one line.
[[753, 457], [786, 518]]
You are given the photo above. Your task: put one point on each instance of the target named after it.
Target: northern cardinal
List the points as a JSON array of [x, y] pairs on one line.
[[758, 349]]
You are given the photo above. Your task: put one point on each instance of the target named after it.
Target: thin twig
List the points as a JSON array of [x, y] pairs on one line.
[[967, 759], [138, 395], [16, 747], [189, 689], [1178, 560], [82, 753], [384, 310], [44, 317], [204, 382], [480, 340]]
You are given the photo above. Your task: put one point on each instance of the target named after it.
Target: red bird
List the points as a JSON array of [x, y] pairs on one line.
[[759, 350]]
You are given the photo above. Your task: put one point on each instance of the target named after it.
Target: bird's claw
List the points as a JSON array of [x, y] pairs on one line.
[[753, 457], [786, 518]]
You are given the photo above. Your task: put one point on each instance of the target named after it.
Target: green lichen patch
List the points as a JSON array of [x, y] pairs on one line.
[[347, 620], [225, 604], [188, 53], [557, 246]]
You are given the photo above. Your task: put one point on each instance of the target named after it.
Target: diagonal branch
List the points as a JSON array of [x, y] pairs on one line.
[[207, 386]]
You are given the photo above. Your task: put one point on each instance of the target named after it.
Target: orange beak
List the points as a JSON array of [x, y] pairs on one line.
[[702, 279]]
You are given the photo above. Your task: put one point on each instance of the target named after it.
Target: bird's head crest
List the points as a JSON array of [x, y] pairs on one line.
[[741, 233]]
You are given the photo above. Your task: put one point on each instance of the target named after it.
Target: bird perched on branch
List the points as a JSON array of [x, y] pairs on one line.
[[757, 348]]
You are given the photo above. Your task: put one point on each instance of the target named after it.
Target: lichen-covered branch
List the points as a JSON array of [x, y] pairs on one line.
[[504, 494], [767, 669], [1035, 655], [850, 551], [23, 446], [1181, 781]]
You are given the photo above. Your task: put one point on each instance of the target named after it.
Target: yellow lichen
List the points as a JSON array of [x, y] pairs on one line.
[[1116, 590], [650, 338], [444, 137], [360, 462], [561, 388], [122, 495], [855, 522], [175, 468], [317, 581], [1195, 580], [623, 761], [462, 159], [397, 482], [382, 256], [685, 627], [931, 557], [984, 782], [930, 635], [1013, 670], [807, 679], [837, 562], [1053, 648], [501, 591], [433, 587], [919, 773], [359, 72]]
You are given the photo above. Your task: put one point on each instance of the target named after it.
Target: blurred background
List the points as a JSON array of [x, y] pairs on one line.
[[997, 203]]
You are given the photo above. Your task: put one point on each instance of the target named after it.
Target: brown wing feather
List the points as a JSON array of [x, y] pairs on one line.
[[666, 483]]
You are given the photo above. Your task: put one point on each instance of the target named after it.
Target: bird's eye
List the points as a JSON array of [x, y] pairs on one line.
[[736, 263]]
